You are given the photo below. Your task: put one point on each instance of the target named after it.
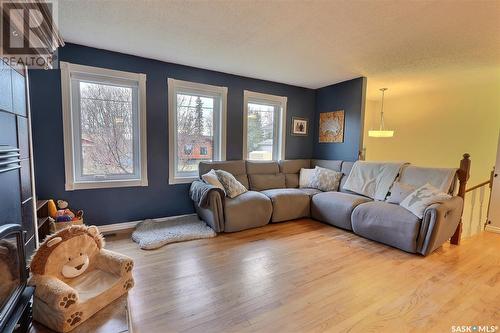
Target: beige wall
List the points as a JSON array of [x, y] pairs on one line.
[[434, 126]]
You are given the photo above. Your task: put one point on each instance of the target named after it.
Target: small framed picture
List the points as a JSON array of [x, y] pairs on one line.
[[300, 126]]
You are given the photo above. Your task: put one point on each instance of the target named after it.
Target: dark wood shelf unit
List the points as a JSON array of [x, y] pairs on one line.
[[42, 214]]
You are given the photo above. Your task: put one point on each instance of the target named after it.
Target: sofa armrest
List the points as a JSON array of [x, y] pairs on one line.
[[213, 215], [201, 193], [438, 224], [53, 291], [114, 262]]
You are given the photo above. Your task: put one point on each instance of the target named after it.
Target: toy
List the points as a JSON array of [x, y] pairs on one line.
[[52, 208], [61, 204], [62, 216], [75, 277], [65, 212]]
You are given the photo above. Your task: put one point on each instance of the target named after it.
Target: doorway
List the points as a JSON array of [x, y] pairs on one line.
[[494, 208]]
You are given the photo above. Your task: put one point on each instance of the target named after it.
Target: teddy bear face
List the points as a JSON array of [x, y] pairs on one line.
[[75, 266], [70, 259]]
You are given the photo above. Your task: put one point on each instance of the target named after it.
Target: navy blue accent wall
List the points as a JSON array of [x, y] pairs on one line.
[[159, 199], [350, 97]]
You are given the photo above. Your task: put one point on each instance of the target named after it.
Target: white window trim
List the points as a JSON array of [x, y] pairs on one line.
[[173, 85], [272, 99], [71, 184]]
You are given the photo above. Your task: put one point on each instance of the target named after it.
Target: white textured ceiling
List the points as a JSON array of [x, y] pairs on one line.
[[305, 43]]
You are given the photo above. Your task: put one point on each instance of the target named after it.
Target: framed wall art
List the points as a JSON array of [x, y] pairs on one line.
[[331, 127], [300, 126]]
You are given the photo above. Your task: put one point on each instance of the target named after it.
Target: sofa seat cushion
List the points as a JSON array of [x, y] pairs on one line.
[[387, 223], [310, 191], [335, 208], [248, 210], [288, 204]]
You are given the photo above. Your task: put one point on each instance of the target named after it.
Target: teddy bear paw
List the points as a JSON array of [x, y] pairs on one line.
[[75, 318], [128, 266], [128, 284], [67, 301]]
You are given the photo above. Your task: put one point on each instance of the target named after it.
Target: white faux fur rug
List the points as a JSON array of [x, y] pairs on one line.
[[152, 234]]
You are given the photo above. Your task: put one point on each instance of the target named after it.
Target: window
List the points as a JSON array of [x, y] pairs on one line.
[[104, 115], [197, 127], [264, 129], [188, 149]]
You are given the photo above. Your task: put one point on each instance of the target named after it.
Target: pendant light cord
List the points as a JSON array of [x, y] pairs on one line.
[[382, 110]]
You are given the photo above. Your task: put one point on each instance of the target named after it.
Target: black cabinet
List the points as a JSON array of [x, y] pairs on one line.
[[16, 195], [8, 129], [10, 197], [18, 93]]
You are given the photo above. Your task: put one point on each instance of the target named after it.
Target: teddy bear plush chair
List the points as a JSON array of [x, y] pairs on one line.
[[75, 277]]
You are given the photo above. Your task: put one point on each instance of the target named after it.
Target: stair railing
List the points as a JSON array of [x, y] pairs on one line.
[[477, 225]]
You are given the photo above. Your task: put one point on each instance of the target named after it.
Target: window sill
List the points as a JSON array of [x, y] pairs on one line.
[[105, 184], [182, 180]]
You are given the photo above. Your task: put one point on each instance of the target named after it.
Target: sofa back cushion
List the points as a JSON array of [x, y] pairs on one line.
[[441, 178], [334, 165], [236, 168], [346, 170], [291, 169], [264, 175]]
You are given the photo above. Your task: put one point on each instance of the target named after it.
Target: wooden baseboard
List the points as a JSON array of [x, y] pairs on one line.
[[108, 228], [123, 226], [492, 228]]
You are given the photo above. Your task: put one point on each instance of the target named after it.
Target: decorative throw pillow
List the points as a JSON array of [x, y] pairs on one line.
[[305, 177], [211, 178], [326, 179], [231, 185], [399, 191], [422, 198]]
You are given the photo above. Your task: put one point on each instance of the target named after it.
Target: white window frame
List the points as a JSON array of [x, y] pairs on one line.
[[255, 97], [70, 159], [175, 86]]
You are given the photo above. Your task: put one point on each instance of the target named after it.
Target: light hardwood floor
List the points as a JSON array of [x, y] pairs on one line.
[[304, 276]]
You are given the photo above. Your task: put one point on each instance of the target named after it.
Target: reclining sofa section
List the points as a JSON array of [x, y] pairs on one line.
[[274, 196]]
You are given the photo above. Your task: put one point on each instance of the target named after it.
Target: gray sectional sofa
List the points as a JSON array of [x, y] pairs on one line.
[[274, 196]]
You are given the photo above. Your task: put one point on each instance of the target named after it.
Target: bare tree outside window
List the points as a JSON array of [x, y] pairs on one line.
[[260, 131], [106, 129]]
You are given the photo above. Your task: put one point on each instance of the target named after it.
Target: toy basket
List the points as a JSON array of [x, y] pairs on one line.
[[56, 226]]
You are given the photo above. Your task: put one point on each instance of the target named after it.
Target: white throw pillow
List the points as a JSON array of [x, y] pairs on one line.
[[399, 191], [231, 185], [325, 179], [305, 177], [211, 178], [422, 198]]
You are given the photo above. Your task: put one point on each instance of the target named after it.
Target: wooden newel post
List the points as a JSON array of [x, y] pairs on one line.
[[463, 175]]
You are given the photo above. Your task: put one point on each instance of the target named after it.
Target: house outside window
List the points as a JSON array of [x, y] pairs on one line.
[[197, 119], [104, 118]]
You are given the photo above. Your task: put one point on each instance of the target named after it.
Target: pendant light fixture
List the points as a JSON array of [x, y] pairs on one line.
[[381, 132]]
